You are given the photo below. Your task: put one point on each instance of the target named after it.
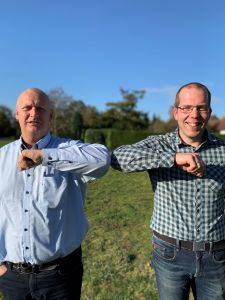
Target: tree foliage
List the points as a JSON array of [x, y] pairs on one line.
[[8, 125], [64, 109], [70, 116], [77, 124], [123, 114]]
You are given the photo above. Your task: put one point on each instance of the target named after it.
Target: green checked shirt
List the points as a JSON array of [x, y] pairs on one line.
[[185, 206]]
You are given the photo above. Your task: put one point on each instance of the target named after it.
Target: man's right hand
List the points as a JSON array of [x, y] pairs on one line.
[[191, 163], [29, 158], [3, 269]]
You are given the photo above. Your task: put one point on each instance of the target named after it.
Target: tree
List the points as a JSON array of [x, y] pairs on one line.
[[157, 126], [77, 124], [64, 109], [213, 123], [123, 114], [92, 118], [7, 122]]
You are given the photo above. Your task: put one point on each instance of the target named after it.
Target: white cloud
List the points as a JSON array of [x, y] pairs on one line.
[[167, 91]]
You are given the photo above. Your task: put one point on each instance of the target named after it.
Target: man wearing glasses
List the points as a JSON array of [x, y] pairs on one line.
[[187, 171]]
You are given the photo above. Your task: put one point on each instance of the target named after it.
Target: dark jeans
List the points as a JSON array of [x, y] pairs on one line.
[[62, 283], [177, 270]]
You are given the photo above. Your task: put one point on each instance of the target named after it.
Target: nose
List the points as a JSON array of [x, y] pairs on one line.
[[33, 111], [195, 111]]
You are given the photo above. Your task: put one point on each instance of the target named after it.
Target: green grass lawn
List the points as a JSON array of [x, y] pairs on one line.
[[117, 248]]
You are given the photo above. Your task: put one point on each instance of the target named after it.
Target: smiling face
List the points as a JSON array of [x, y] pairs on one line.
[[192, 124], [34, 115]]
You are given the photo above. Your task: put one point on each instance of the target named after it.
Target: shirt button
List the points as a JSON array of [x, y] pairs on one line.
[[50, 158], [25, 229], [26, 248], [27, 192], [25, 210], [28, 175]]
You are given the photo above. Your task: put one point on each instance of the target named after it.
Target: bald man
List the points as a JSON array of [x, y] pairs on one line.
[[42, 225]]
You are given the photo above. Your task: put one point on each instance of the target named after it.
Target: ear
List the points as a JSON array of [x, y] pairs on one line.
[[17, 115], [210, 112], [174, 112]]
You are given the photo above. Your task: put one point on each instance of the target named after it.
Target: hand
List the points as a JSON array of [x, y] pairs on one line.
[[191, 163], [29, 159], [3, 269]]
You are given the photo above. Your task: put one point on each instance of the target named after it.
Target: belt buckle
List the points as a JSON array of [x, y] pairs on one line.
[[198, 246], [26, 268]]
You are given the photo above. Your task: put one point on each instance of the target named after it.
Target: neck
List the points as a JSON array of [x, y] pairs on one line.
[[195, 141], [28, 144], [30, 141]]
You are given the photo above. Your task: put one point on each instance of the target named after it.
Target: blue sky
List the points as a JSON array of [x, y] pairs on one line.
[[92, 48]]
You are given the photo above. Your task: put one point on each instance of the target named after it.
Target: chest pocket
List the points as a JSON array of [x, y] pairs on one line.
[[215, 175], [53, 186]]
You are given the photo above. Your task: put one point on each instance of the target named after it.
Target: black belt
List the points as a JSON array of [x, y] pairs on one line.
[[193, 246], [24, 267]]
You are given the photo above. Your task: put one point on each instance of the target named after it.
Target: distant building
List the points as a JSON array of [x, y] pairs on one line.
[[221, 126]]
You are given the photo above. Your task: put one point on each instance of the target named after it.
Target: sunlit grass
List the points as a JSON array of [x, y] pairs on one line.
[[117, 247]]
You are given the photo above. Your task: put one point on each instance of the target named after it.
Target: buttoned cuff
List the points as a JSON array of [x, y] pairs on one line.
[[49, 156]]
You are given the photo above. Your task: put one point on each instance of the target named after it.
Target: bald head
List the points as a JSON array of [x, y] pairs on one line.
[[34, 114], [34, 93], [192, 85]]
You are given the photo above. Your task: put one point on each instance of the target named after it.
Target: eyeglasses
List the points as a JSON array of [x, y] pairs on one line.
[[189, 108]]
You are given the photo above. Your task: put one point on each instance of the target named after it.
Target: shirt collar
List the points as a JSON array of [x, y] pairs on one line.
[[180, 143], [42, 143]]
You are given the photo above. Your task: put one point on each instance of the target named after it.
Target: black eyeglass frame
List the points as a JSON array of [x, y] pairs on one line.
[[189, 109]]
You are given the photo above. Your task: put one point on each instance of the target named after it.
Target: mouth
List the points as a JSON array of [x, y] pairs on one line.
[[33, 123], [195, 126]]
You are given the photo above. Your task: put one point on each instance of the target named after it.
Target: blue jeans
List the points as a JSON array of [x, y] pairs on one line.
[[62, 283], [178, 270]]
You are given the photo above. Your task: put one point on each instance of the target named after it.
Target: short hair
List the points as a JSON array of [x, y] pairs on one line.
[[39, 92], [197, 85]]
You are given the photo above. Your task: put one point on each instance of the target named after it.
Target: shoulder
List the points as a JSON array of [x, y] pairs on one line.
[[10, 146], [215, 139], [170, 138], [61, 142], [10, 152]]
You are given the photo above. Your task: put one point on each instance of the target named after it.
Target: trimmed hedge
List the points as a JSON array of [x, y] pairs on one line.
[[113, 138]]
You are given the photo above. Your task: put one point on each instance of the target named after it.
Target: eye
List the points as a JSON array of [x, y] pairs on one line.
[[203, 108], [26, 108], [40, 109], [186, 108]]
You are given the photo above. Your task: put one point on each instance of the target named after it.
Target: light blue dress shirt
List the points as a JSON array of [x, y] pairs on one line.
[[42, 209]]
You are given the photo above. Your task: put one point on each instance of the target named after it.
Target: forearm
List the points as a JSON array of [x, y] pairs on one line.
[[131, 158], [82, 159]]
